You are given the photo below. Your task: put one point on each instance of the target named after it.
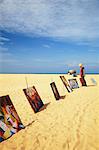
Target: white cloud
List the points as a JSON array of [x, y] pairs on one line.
[[92, 50], [3, 40], [58, 19], [46, 46], [3, 49], [8, 61]]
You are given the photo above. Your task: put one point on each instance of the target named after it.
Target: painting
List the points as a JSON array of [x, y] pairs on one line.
[[33, 98], [10, 122], [73, 83], [66, 83], [93, 81], [55, 90]]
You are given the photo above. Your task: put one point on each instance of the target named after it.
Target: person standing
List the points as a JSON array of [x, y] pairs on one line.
[[82, 75]]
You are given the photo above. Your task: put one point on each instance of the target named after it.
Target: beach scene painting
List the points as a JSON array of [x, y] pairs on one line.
[[49, 74]]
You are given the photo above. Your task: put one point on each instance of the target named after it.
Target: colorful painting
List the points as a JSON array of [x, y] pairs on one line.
[[73, 83], [33, 98], [10, 122]]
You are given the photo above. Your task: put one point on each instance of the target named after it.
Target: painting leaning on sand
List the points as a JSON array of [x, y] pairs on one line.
[[10, 122]]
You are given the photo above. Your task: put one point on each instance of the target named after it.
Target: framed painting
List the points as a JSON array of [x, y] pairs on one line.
[[10, 122], [55, 90], [33, 98], [73, 83], [66, 83]]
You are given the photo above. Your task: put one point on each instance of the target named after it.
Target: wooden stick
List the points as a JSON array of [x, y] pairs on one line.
[[26, 82]]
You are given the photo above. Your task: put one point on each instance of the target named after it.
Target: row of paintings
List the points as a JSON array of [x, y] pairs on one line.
[[73, 84], [10, 122]]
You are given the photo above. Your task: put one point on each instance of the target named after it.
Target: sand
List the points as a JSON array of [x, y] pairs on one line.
[[68, 124]]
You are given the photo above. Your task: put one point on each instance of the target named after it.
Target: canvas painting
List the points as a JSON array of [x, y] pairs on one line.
[[55, 90], [93, 81], [10, 122], [66, 83], [33, 98], [73, 83]]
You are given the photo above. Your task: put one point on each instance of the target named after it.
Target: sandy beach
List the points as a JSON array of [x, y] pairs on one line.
[[71, 123]]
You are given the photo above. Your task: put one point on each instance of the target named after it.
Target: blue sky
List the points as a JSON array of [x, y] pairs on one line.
[[49, 36]]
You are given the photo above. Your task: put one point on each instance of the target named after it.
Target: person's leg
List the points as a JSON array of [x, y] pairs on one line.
[[84, 81]]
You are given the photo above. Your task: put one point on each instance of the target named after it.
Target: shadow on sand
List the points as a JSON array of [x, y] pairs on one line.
[[30, 123], [90, 85], [62, 97], [44, 107]]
